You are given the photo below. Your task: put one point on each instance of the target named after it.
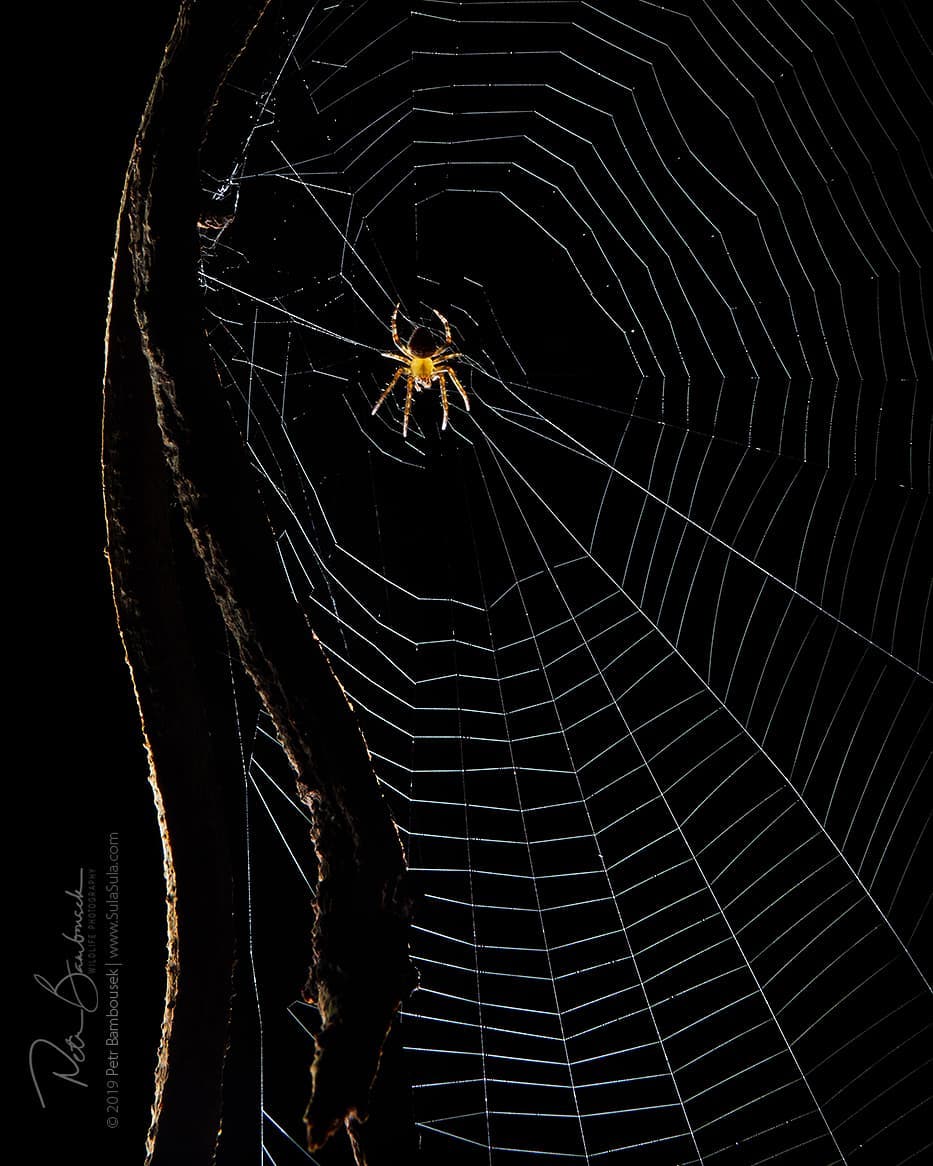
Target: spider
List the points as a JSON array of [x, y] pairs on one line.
[[422, 364]]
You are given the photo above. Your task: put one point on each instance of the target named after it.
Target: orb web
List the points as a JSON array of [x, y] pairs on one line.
[[638, 643]]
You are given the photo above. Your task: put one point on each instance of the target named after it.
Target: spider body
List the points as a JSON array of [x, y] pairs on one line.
[[422, 342], [422, 363], [422, 369]]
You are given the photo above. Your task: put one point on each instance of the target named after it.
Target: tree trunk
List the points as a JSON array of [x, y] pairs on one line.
[[171, 445]]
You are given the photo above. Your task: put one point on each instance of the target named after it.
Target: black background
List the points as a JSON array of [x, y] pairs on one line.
[[74, 745]]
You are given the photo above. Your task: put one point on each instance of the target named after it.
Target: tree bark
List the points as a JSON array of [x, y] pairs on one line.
[[170, 441]]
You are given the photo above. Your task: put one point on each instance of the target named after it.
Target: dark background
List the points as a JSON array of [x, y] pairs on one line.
[[73, 718]]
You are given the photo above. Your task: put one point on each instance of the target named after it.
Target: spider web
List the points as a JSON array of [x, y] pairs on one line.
[[638, 644]]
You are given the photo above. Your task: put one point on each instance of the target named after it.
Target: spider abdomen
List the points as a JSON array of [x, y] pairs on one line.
[[422, 343]]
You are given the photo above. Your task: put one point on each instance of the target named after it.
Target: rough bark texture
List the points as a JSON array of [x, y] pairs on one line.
[[162, 647], [171, 440]]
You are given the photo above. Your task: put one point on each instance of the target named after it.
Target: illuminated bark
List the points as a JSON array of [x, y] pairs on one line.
[[171, 444]]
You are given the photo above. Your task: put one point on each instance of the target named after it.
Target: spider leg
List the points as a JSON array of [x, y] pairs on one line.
[[403, 348], [408, 390], [394, 356], [443, 379], [443, 320], [388, 389], [442, 355], [463, 392]]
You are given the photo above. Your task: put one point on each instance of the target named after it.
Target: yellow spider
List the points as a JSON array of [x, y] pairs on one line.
[[422, 364]]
